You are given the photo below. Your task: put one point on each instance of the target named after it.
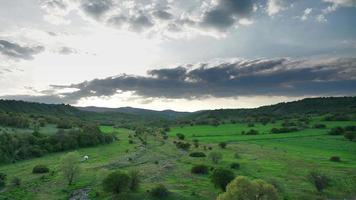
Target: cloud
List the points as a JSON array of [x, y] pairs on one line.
[[162, 14], [275, 6], [306, 14], [226, 13], [16, 51], [67, 51], [95, 8], [241, 78]]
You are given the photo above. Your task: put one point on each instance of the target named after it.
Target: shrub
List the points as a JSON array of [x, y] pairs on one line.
[[335, 159], [236, 155], [2, 184], [320, 126], [284, 130], [197, 154], [222, 177], [235, 166], [160, 191], [350, 135], [116, 182], [196, 143], [180, 136], [222, 145], [215, 157], [337, 131], [16, 181], [183, 145], [252, 132], [319, 180], [40, 169], [134, 180], [3, 176], [241, 188], [200, 169]]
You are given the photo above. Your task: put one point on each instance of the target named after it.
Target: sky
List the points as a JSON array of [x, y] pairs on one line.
[[184, 55]]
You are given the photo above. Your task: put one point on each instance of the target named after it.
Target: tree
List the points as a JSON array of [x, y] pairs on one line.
[[241, 188], [70, 166], [134, 180], [160, 191], [319, 180], [215, 157], [350, 135], [222, 145], [222, 177], [116, 182]]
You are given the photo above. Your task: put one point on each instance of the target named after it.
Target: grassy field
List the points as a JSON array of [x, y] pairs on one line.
[[282, 159]]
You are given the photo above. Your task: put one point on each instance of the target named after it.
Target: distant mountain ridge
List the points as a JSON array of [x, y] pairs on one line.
[[320, 105], [136, 111], [305, 106]]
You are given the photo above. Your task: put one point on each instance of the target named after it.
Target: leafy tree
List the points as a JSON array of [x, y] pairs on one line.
[[241, 188], [134, 180], [180, 136], [221, 177], [200, 169], [197, 154], [70, 166], [215, 157], [350, 135], [40, 169], [222, 145], [116, 182], [16, 181], [160, 191], [319, 180]]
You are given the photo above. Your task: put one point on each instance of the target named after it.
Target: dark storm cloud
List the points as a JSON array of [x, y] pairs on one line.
[[67, 51], [271, 77], [162, 14], [95, 8], [226, 13], [16, 51], [140, 23], [135, 23]]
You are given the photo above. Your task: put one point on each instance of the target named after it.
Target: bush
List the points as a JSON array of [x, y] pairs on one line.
[[222, 145], [319, 180], [284, 130], [241, 188], [180, 136], [160, 191], [320, 126], [336, 131], [215, 157], [235, 166], [116, 182], [183, 145], [2, 184], [40, 169], [197, 154], [335, 159], [16, 181], [350, 135], [252, 132], [3, 176], [222, 177], [200, 169]]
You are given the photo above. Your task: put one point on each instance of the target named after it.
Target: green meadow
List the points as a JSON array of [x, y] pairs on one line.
[[284, 160]]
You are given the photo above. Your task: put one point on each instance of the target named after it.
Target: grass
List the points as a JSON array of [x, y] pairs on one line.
[[282, 159]]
